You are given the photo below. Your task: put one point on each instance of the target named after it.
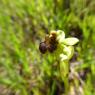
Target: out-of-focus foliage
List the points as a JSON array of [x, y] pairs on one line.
[[23, 24]]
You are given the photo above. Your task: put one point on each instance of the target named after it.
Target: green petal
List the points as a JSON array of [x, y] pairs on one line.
[[63, 57], [60, 36], [70, 41], [69, 51]]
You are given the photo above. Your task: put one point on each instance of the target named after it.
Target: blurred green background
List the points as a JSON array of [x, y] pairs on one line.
[[24, 24]]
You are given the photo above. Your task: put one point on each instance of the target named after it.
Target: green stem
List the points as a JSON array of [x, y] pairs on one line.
[[64, 71], [53, 87]]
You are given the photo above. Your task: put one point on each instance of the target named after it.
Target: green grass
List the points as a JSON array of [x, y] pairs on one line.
[[23, 25]]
